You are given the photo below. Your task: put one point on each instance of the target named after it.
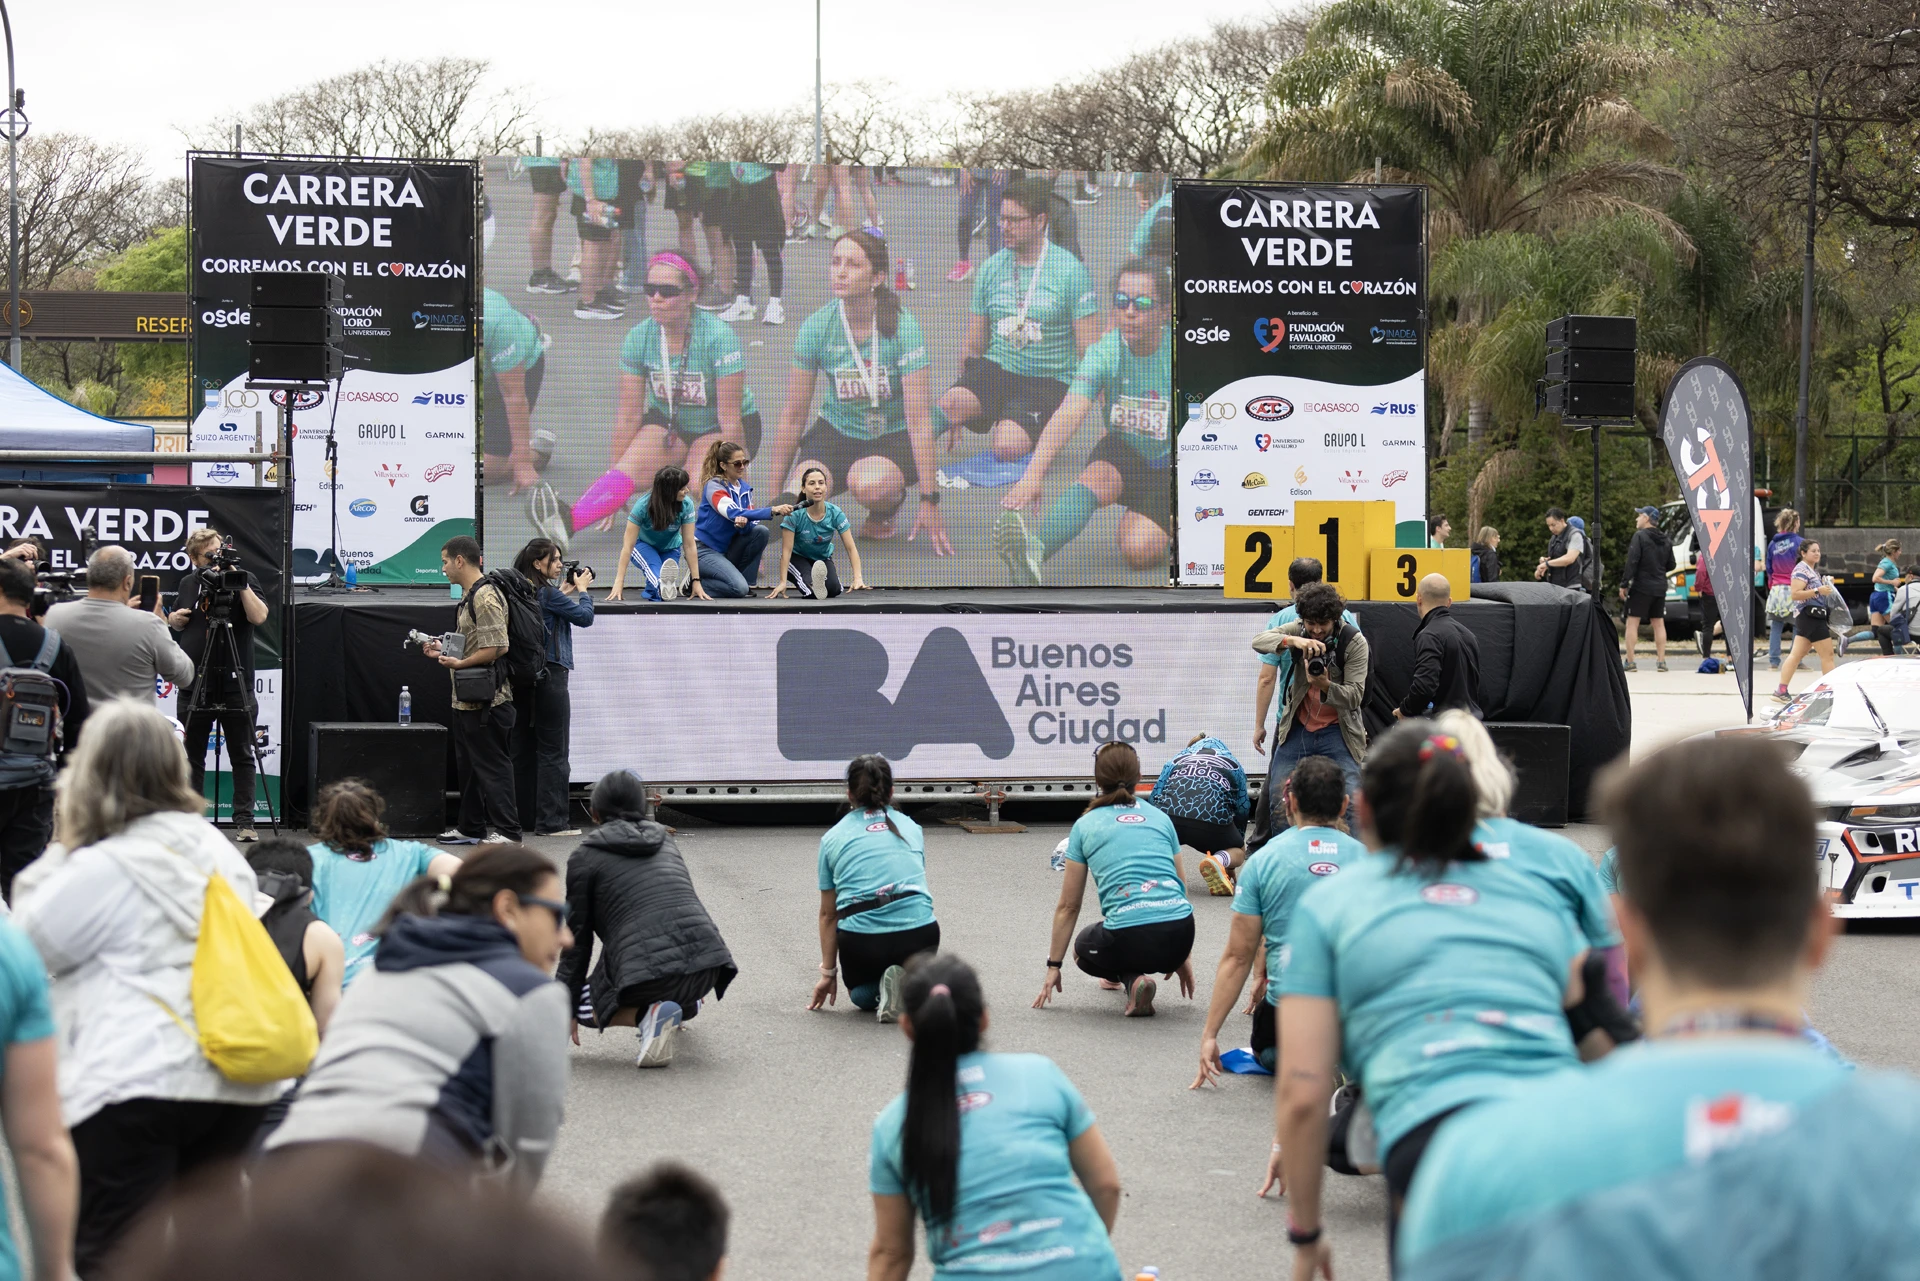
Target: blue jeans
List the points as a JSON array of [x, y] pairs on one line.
[[1774, 627], [1302, 742], [730, 573]]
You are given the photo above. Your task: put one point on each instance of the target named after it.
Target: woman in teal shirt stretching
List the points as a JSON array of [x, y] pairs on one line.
[[996, 1153], [1131, 851]]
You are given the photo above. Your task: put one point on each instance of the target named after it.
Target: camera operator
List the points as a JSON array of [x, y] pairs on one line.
[[540, 750], [122, 650], [1326, 687], [483, 718], [190, 616], [26, 786]]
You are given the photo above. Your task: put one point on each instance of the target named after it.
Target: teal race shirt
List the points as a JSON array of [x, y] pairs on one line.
[[688, 382], [863, 400], [1017, 1208], [667, 539], [1610, 869], [26, 1014], [814, 538], [1129, 851], [1277, 875], [513, 341], [1136, 390], [351, 892], [1040, 343], [860, 860], [1562, 867], [1642, 1111], [1449, 990], [1142, 243]]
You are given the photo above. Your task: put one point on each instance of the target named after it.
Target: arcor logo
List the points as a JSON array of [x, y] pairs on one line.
[[944, 699]]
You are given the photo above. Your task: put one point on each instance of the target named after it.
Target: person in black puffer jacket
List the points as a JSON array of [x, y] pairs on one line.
[[1644, 585], [660, 952]]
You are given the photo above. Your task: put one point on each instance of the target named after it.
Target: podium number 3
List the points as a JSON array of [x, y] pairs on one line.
[[1407, 586], [1261, 542], [1330, 530]]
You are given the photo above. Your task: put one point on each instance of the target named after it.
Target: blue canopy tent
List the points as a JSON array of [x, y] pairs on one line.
[[31, 417]]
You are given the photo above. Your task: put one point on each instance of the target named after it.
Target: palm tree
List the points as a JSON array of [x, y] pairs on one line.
[[1513, 112]]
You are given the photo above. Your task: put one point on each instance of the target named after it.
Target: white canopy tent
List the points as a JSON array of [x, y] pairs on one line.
[[31, 417]]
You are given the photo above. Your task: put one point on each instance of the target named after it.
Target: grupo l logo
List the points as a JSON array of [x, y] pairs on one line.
[[1269, 409]]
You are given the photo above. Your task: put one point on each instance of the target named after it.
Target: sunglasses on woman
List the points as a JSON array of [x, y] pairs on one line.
[[1137, 302], [663, 291], [558, 908]]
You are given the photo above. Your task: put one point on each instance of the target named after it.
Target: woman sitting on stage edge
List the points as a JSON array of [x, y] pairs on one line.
[[1131, 851]]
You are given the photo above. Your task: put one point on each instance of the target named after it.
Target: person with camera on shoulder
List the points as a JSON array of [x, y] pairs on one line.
[[121, 650], [213, 589], [540, 763], [26, 774], [1326, 686], [483, 710]]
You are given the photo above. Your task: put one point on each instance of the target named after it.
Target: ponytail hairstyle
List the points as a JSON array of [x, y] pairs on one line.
[[663, 504], [470, 891], [886, 303], [870, 786], [1420, 788], [1116, 772], [1889, 548], [943, 1000], [717, 454]]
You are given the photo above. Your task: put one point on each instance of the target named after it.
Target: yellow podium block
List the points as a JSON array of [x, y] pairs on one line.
[[1340, 536], [1257, 559], [1397, 571]]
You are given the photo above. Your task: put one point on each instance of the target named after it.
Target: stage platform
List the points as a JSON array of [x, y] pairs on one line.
[[759, 699]]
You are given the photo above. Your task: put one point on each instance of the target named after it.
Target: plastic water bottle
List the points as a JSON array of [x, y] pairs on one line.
[[406, 706], [1059, 859], [1147, 1274], [353, 574]]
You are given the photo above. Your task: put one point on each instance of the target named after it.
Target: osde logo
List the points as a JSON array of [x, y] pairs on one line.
[[1269, 409], [363, 507], [1215, 334]]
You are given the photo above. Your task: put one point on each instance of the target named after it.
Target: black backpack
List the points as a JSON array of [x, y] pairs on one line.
[[526, 660], [30, 717]]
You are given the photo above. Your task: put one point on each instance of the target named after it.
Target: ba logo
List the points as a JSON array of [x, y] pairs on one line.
[[1323, 869], [1446, 894], [363, 507], [1269, 409], [1204, 479], [418, 505], [439, 471], [1130, 818], [1269, 332], [1263, 442], [944, 698]]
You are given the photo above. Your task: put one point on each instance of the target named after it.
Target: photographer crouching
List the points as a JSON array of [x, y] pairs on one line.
[[217, 589], [540, 749]]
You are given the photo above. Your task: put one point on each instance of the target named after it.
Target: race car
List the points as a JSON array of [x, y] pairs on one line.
[[1855, 736]]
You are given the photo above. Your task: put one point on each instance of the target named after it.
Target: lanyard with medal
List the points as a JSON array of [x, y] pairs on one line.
[[869, 373], [673, 376], [1017, 332]]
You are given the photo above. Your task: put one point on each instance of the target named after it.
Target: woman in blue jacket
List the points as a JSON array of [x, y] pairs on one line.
[[728, 527]]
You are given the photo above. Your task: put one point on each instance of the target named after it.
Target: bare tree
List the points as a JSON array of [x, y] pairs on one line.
[[80, 201], [438, 108]]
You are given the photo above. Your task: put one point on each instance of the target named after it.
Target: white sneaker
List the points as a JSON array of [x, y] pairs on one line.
[[670, 579], [817, 579], [892, 1000], [454, 836], [657, 1027], [742, 309], [685, 580], [775, 313], [493, 838]]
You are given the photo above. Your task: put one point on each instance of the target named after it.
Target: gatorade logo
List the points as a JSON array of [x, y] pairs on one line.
[[1448, 895], [1130, 818], [1323, 869], [877, 827]]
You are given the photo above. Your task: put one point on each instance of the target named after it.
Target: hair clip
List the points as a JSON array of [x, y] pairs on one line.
[[1441, 743], [939, 989]]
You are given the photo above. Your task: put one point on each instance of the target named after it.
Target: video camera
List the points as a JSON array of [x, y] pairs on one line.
[[50, 587], [452, 644]]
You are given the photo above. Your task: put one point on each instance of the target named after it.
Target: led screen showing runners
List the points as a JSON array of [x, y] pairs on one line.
[[977, 361]]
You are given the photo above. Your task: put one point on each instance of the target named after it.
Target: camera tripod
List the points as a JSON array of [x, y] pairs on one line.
[[220, 663]]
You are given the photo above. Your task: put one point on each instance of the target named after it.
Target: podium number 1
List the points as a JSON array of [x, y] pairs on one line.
[[1330, 530], [1261, 542]]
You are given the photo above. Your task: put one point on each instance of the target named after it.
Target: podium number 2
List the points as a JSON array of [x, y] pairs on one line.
[[1330, 530], [1262, 543], [1406, 565]]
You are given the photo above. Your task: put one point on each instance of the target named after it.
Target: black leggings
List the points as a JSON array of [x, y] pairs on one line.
[[1266, 1035], [1119, 955], [757, 220], [1709, 618], [865, 957], [1401, 1163]]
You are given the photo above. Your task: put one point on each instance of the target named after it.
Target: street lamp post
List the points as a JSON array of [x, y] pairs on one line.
[[14, 120]]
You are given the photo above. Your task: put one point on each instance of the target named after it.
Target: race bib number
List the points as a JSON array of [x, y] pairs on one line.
[[848, 385], [1017, 333], [1140, 415], [692, 389]]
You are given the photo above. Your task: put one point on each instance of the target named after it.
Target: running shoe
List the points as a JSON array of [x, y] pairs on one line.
[[1219, 880], [775, 314], [1630, 666], [1140, 997], [1660, 666], [657, 1027], [742, 309], [962, 270], [454, 836], [541, 443], [549, 281], [565, 831], [601, 306], [670, 578], [817, 579], [245, 835], [892, 1000], [493, 838], [1780, 695], [1019, 549], [550, 517]]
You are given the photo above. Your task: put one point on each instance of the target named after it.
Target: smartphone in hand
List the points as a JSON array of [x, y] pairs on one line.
[[149, 592]]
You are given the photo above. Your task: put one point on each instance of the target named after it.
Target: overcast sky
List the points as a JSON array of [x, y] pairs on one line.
[[144, 73]]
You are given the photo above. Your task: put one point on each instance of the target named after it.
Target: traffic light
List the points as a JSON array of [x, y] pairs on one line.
[[1590, 367], [293, 331]]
